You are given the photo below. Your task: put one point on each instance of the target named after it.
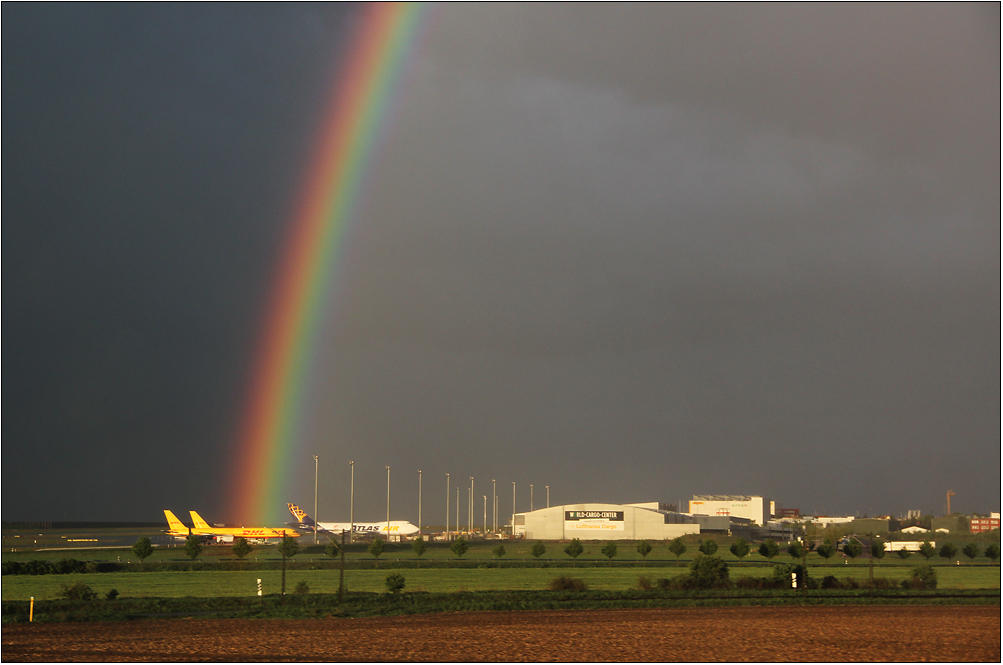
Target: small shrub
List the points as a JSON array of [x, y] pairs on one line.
[[923, 577], [395, 582], [609, 551], [574, 548], [332, 550], [112, 594], [142, 548], [376, 547], [459, 547], [499, 551], [665, 583], [708, 547], [538, 549], [77, 591], [567, 583], [904, 554], [644, 549], [302, 587], [644, 583], [418, 546], [830, 582], [241, 547], [709, 572]]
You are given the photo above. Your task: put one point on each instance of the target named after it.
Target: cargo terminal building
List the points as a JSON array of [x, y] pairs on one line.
[[604, 521]]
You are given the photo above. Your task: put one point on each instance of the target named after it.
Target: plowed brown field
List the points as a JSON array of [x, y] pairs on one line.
[[887, 633]]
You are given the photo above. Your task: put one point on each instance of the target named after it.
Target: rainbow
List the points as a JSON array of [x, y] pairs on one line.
[[362, 100]]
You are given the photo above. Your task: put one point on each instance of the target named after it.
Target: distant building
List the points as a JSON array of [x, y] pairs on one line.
[[604, 521], [789, 513], [754, 508], [983, 524]]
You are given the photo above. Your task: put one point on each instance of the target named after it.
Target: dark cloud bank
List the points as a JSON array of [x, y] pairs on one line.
[[633, 253]]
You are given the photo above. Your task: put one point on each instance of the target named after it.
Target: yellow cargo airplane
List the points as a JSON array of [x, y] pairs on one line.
[[201, 528]]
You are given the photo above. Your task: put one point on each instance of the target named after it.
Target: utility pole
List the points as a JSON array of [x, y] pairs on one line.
[[447, 506], [530, 498], [513, 509], [548, 496], [458, 527], [388, 503], [494, 507], [316, 522], [419, 503], [351, 507], [485, 513]]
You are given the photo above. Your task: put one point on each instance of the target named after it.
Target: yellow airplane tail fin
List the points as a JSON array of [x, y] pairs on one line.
[[296, 511], [174, 523], [198, 521]]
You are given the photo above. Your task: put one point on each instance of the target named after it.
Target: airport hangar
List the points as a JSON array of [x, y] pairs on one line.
[[604, 521]]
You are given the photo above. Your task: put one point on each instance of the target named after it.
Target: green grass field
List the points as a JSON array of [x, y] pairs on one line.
[[232, 583]]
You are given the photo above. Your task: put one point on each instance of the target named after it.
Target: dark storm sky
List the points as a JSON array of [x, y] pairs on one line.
[[631, 252]]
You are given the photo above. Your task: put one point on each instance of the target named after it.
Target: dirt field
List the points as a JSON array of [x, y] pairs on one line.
[[962, 633]]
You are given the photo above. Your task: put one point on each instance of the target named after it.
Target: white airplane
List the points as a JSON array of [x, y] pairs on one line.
[[393, 528]]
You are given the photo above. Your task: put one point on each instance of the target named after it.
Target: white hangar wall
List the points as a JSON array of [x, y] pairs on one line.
[[603, 521]]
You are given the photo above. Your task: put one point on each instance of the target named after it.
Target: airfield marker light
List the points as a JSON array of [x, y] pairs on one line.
[[259, 587]]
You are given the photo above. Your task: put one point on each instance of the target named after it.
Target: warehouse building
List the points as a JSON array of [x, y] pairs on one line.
[[604, 521], [754, 508]]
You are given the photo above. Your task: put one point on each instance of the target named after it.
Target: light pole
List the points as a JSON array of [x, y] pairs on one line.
[[388, 503], [419, 503], [494, 507], [485, 513], [530, 498], [470, 507], [316, 465], [447, 506], [351, 507], [513, 509], [548, 496], [457, 509]]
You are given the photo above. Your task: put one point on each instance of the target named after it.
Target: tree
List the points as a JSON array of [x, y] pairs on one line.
[[796, 550], [826, 551], [853, 549], [903, 554], [708, 547], [993, 551], [499, 551], [709, 572], [241, 547], [644, 549], [538, 549], [376, 547], [395, 582], [740, 548], [926, 549], [418, 546], [332, 550], [677, 547], [459, 547], [769, 549], [971, 550], [609, 551], [877, 549], [574, 548], [948, 551], [193, 547], [142, 548]]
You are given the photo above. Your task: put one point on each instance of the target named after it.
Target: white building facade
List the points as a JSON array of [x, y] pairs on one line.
[[603, 521], [754, 508]]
